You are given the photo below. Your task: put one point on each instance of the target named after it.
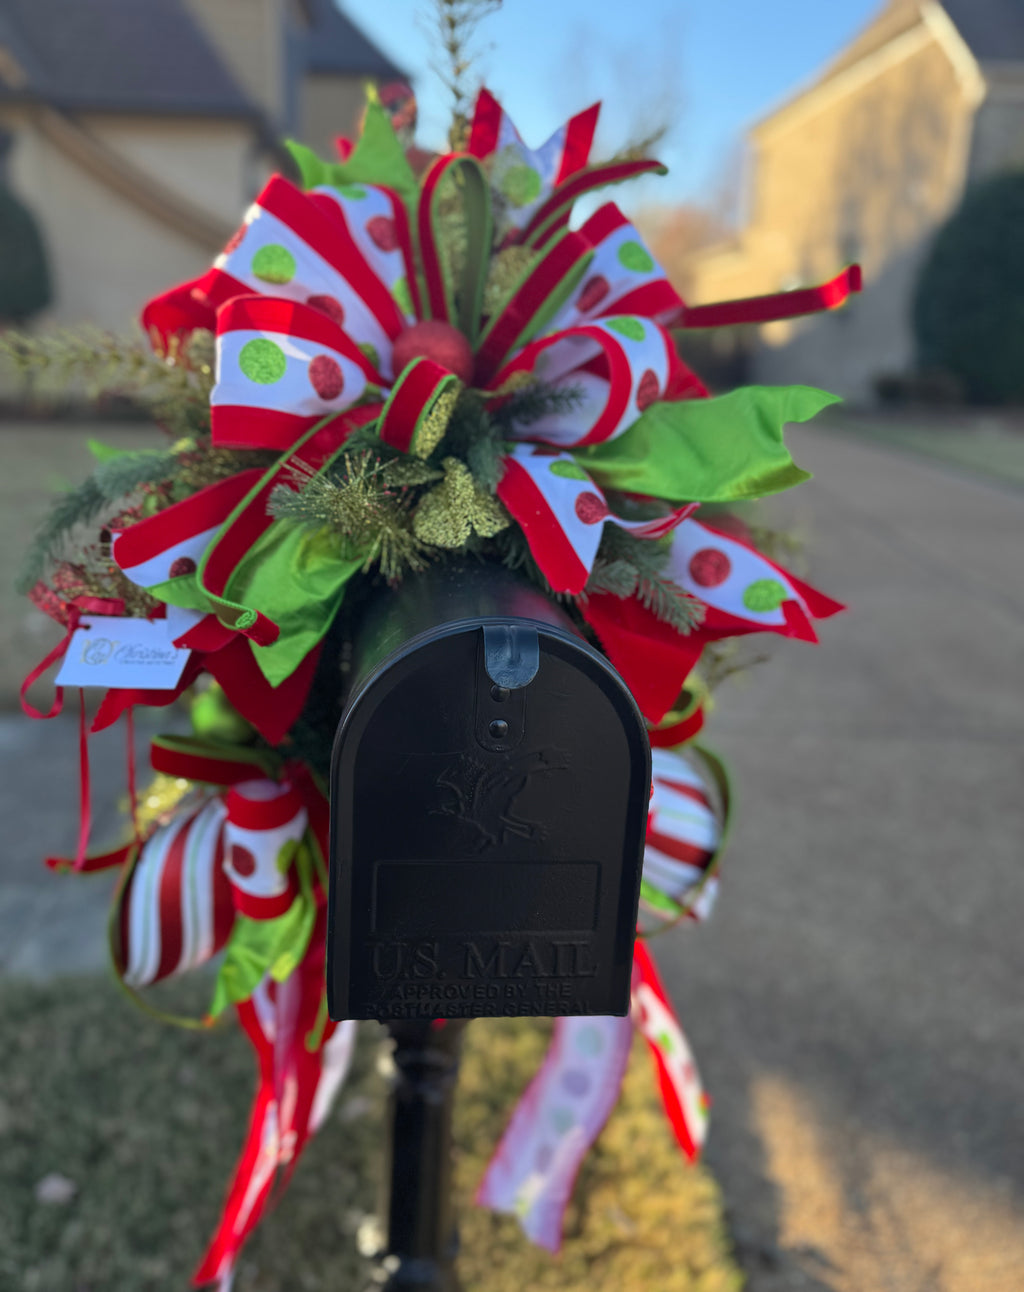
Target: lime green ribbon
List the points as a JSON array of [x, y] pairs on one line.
[[708, 450], [297, 577], [275, 947], [378, 158]]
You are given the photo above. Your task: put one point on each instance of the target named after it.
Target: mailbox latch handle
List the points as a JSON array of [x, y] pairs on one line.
[[511, 654]]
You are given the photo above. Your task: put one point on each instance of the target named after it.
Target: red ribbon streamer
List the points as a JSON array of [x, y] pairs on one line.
[[84, 787], [58, 652], [133, 804], [780, 305]]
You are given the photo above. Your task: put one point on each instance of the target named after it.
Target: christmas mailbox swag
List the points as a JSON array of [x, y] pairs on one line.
[[384, 377]]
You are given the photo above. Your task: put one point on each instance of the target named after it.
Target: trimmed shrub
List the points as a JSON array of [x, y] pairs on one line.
[[24, 272], [969, 304]]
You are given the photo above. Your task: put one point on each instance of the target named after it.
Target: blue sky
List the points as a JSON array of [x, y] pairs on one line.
[[710, 66]]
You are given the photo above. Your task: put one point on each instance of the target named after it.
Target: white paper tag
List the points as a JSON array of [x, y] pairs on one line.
[[126, 653]]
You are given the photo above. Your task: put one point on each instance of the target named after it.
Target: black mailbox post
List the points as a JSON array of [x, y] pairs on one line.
[[489, 793]]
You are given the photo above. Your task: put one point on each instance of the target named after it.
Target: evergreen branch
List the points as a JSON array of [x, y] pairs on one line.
[[366, 437], [780, 545], [485, 458], [406, 472], [123, 474], [619, 578], [730, 658], [174, 385], [77, 506], [537, 400], [512, 549], [167, 475], [670, 603], [640, 148], [367, 501], [473, 436], [628, 566], [457, 21], [478, 435]]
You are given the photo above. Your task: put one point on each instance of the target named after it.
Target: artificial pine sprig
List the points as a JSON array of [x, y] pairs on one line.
[[123, 473], [534, 401], [513, 550], [780, 545], [166, 475], [367, 501], [627, 566], [733, 657], [479, 435], [78, 506], [173, 385], [473, 435], [641, 147], [457, 21]]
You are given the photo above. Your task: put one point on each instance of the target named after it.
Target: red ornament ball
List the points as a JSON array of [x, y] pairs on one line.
[[436, 340], [183, 565]]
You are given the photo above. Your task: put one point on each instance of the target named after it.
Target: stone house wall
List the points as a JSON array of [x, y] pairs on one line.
[[865, 166]]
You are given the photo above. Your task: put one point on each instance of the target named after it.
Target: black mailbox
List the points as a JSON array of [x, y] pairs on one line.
[[489, 793]]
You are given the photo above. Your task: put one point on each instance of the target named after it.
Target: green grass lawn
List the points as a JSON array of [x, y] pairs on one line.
[[147, 1120]]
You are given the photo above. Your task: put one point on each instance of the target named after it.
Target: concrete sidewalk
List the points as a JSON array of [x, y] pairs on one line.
[[53, 923]]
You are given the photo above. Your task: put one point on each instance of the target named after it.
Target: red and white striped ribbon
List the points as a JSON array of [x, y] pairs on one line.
[[683, 832], [176, 909]]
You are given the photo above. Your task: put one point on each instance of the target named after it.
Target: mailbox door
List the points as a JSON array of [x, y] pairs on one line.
[[486, 841]]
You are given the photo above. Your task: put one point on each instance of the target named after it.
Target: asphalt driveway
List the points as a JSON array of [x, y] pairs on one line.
[[856, 1001]]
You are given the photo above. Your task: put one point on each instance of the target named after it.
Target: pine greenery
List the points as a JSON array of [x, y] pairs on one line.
[[479, 436], [457, 21], [367, 501], [174, 386], [172, 473], [628, 566], [119, 476], [76, 507]]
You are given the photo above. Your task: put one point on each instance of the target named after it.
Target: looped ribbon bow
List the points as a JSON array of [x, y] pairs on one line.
[[310, 301]]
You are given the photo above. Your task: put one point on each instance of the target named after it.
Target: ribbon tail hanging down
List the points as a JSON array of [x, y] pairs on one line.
[[686, 1104], [563, 1111], [302, 1066]]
